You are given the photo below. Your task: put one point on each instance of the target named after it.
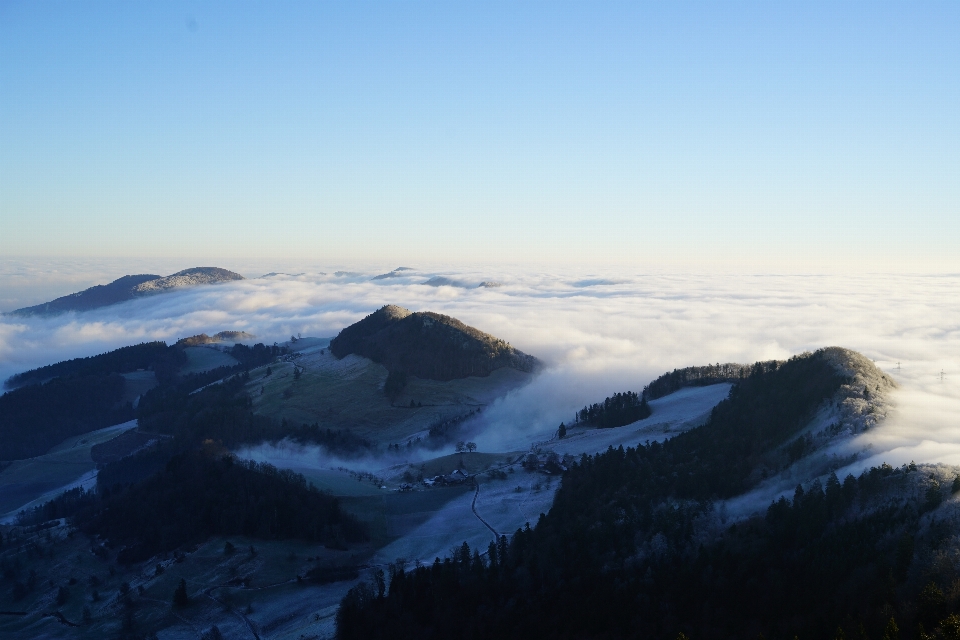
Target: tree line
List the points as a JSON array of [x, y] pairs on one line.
[[700, 377], [122, 360]]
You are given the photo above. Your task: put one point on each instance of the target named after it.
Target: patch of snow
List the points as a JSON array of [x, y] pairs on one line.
[[672, 414]]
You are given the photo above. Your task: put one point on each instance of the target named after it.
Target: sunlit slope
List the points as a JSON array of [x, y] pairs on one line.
[[348, 394]]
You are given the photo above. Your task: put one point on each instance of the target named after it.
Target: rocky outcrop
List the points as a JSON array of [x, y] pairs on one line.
[[863, 401], [217, 338]]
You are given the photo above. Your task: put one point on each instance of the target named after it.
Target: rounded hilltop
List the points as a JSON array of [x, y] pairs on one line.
[[127, 288], [187, 278], [428, 345]]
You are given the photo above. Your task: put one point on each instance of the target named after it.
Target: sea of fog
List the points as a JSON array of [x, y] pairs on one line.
[[598, 332]]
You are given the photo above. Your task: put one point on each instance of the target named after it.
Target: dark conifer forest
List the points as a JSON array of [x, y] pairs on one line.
[[623, 552], [199, 494], [36, 417], [615, 411], [122, 360]]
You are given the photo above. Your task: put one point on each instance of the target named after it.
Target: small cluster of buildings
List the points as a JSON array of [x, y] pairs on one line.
[[455, 477]]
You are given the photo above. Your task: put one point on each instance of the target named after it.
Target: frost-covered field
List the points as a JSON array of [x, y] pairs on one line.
[[28, 483], [672, 414]]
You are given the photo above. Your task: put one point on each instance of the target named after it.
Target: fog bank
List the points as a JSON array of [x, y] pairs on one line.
[[598, 332]]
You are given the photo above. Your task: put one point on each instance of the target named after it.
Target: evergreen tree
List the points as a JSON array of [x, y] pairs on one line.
[[180, 597], [892, 632]]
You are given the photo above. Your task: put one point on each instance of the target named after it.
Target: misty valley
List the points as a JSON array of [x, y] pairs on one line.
[[217, 486]]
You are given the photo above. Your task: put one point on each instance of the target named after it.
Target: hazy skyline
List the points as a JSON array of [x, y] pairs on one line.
[[785, 137]]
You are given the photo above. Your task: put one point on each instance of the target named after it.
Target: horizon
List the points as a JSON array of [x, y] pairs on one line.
[[29, 281]]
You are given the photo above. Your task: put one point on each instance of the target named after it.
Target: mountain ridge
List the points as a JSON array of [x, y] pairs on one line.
[[127, 288]]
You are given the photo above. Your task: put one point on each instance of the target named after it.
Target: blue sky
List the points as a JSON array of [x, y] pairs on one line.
[[785, 135]]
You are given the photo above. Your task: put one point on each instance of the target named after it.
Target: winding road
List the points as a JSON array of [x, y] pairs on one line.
[[473, 506]]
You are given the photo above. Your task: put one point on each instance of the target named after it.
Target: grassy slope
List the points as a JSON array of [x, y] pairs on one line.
[[348, 394], [26, 480], [138, 383], [200, 359]]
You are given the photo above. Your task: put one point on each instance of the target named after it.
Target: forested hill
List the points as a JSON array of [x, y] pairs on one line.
[[428, 345], [128, 288], [52, 403], [196, 495], [123, 360], [69, 398], [101, 295], [187, 487], [632, 546]]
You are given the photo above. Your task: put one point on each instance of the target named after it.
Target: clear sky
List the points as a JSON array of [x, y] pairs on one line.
[[767, 133]]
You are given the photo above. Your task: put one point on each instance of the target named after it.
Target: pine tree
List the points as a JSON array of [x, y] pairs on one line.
[[892, 632], [180, 597]]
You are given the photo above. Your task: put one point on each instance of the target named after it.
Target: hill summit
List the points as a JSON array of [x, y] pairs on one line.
[[428, 345], [127, 288]]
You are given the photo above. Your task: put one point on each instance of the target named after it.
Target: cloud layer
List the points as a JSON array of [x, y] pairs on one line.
[[599, 332]]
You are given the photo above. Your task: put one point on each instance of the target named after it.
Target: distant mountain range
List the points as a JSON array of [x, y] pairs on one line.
[[428, 345], [128, 288], [396, 273]]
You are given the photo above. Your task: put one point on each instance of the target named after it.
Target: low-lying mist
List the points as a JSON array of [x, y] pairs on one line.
[[292, 455], [598, 333]]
